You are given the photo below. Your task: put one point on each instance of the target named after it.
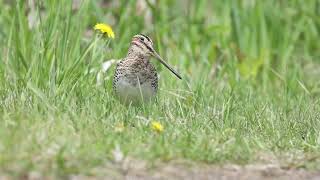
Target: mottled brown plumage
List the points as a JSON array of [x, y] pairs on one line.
[[135, 78]]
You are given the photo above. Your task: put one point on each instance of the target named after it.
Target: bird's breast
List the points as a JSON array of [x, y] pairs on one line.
[[139, 92], [135, 82]]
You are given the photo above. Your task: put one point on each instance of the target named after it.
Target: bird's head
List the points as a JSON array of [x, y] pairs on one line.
[[143, 45]]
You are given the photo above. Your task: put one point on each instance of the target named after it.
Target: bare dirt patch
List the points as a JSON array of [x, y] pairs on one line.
[[138, 171], [182, 170], [267, 167]]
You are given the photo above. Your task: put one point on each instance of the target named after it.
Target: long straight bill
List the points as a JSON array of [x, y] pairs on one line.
[[156, 55]]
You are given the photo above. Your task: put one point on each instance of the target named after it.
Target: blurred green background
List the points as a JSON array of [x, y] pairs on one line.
[[247, 39]]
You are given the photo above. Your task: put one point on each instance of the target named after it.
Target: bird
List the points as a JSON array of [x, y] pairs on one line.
[[135, 78]]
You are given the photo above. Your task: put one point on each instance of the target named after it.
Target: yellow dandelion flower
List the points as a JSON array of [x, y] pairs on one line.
[[156, 126], [104, 29], [119, 127]]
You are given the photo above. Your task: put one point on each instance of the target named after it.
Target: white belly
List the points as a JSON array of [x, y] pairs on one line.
[[129, 93]]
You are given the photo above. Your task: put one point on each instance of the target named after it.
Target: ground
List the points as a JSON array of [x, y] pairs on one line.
[[134, 169]]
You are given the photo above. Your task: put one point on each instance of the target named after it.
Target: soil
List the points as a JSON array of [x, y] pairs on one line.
[[132, 169], [185, 171]]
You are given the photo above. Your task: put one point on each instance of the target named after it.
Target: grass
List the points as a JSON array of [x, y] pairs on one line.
[[250, 84]]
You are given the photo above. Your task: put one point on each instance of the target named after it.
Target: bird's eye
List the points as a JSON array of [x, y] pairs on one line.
[[141, 39]]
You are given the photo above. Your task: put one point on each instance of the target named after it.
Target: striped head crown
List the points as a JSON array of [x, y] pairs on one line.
[[142, 44]]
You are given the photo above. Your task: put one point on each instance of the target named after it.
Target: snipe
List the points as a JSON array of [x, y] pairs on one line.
[[135, 78]]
